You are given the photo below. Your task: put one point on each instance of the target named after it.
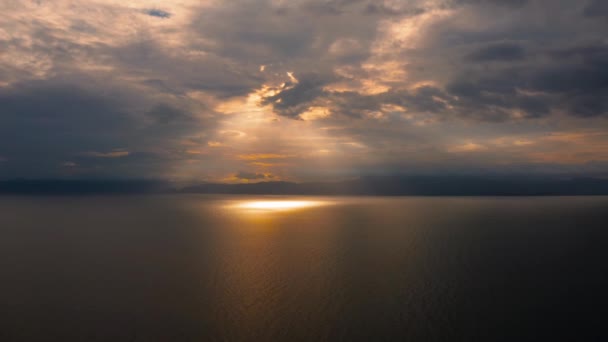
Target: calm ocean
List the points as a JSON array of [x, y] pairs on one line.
[[254, 268]]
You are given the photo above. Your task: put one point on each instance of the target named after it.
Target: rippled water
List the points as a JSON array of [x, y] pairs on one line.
[[205, 268]]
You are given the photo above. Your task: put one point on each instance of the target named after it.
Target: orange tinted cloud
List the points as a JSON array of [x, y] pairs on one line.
[[262, 156]]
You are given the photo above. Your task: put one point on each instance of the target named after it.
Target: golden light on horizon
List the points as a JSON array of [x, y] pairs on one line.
[[277, 205]]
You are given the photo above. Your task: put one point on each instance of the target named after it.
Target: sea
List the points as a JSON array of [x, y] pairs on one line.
[[293, 268]]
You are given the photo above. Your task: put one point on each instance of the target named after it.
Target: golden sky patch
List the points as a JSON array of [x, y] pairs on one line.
[[262, 156]]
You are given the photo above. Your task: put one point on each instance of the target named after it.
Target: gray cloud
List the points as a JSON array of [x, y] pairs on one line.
[[166, 114], [293, 99], [596, 8], [498, 52], [43, 123], [379, 85], [300, 33], [154, 12], [250, 175], [507, 3], [172, 73]]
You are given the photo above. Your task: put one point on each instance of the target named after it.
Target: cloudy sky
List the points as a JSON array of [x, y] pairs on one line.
[[260, 90]]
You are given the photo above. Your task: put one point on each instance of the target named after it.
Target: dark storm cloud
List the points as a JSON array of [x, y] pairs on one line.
[[166, 114], [387, 84], [421, 100], [353, 104], [496, 103], [255, 30], [574, 80], [373, 8], [348, 7], [596, 8], [532, 77], [424, 99], [590, 78], [176, 74], [293, 99], [507, 3], [157, 13], [490, 99], [44, 124], [296, 100], [498, 52], [299, 32], [61, 106], [323, 8]]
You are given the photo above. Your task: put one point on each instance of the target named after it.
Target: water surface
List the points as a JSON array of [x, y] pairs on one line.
[[233, 268]]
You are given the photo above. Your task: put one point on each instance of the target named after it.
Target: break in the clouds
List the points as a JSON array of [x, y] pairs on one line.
[[259, 90]]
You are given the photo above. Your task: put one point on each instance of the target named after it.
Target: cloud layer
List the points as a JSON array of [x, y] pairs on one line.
[[258, 90]]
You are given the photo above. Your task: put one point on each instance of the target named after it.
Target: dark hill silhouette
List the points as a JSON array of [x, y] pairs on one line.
[[380, 186]]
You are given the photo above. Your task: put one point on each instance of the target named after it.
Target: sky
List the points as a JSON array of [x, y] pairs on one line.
[[303, 90]]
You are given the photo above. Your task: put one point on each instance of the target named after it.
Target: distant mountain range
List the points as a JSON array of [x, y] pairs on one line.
[[374, 186]]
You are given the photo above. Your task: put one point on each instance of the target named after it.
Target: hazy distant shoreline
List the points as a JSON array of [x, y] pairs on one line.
[[371, 186]]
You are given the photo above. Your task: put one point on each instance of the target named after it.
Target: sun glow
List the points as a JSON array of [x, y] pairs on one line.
[[283, 205]]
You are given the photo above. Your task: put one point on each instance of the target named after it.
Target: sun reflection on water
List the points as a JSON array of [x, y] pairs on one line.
[[276, 205]]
